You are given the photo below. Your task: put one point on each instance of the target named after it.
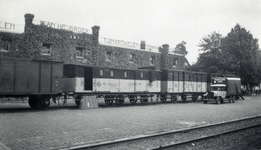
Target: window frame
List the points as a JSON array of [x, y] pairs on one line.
[[79, 52]]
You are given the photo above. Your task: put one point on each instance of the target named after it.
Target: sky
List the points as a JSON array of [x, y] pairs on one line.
[[157, 22]]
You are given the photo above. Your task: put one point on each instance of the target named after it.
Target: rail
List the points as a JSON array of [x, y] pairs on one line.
[[156, 139]]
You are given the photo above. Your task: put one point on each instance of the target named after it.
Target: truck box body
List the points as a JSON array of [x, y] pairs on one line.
[[233, 85]]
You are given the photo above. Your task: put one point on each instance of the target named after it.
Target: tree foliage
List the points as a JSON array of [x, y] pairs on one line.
[[210, 58], [236, 53], [181, 48], [241, 57]]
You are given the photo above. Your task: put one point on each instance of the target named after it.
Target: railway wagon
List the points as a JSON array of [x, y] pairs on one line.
[[113, 84], [184, 84], [37, 79]]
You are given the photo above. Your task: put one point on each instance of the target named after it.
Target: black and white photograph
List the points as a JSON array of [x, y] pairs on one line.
[[130, 75]]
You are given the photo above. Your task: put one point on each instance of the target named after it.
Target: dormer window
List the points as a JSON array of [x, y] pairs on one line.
[[79, 52], [132, 56], [46, 49], [4, 45], [175, 62], [152, 60], [88, 52], [109, 56]]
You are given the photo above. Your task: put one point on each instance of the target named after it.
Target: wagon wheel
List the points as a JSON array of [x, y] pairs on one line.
[[43, 102], [218, 100], [145, 99], [184, 98], [108, 102], [174, 98], [32, 102], [78, 100], [132, 99], [119, 100], [163, 99], [122, 101], [142, 100], [194, 97]]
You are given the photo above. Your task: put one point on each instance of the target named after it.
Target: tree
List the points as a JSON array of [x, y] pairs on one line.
[[236, 53], [210, 59], [181, 48], [241, 55]]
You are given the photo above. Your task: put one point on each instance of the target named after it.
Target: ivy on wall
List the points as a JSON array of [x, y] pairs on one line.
[[63, 45], [16, 46], [121, 58]]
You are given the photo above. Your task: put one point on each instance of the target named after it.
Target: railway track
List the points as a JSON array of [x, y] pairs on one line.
[[176, 138]]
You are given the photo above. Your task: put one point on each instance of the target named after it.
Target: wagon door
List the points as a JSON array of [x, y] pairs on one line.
[[127, 81], [88, 79], [141, 78], [14, 76], [199, 83], [101, 80], [189, 82]]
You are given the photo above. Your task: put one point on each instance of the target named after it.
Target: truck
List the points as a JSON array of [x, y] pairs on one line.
[[223, 89]]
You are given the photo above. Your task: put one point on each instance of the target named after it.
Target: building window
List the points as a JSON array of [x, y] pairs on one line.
[[4, 45], [186, 64], [175, 62], [88, 52], [125, 74], [112, 73], [141, 74], [79, 52], [132, 56], [152, 60], [109, 56], [46, 49], [101, 72]]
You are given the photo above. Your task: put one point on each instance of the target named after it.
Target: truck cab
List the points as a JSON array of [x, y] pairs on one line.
[[223, 88], [219, 90]]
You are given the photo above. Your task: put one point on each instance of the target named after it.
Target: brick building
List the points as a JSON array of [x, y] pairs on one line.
[[73, 45]]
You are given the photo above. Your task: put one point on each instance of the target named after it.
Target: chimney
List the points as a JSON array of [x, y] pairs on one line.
[[95, 34], [142, 45], [28, 22], [164, 55]]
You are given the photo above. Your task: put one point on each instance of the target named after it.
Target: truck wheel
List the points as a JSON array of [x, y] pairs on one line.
[[218, 100], [204, 100], [233, 99]]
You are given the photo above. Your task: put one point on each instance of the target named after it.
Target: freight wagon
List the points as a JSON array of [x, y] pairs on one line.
[[113, 84], [183, 84], [38, 80], [42, 81]]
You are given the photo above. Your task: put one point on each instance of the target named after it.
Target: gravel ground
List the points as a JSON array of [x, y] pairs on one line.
[[22, 128], [156, 142]]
